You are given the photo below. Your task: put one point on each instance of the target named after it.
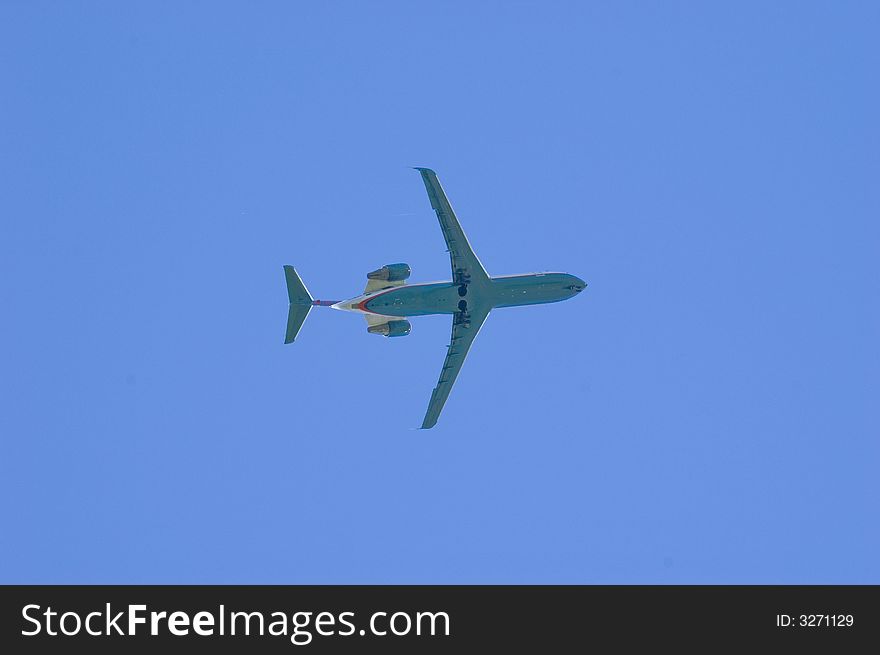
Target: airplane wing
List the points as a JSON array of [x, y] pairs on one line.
[[465, 327], [465, 265]]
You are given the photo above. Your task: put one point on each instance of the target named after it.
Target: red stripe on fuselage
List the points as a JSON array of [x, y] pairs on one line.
[[362, 305]]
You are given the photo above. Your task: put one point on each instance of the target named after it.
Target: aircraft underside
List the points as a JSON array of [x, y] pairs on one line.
[[388, 301]]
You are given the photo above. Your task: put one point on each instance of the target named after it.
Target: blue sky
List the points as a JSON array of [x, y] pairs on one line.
[[706, 412]]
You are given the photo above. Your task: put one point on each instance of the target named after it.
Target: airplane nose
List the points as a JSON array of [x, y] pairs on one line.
[[577, 284]]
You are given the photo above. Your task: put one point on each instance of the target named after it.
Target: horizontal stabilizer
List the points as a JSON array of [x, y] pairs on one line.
[[296, 316], [296, 290], [300, 303]]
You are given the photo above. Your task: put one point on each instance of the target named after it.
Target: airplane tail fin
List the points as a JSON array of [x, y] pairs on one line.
[[300, 303]]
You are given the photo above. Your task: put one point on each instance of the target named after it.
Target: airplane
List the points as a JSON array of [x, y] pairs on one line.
[[388, 301]]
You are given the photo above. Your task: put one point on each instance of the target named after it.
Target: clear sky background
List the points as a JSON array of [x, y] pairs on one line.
[[705, 412]]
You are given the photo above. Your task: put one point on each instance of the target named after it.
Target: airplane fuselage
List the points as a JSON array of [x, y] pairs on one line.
[[450, 298]]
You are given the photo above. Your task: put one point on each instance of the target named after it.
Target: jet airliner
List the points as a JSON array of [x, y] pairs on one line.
[[388, 301]]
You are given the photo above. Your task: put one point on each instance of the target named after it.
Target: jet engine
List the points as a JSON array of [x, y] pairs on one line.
[[399, 328], [390, 273]]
